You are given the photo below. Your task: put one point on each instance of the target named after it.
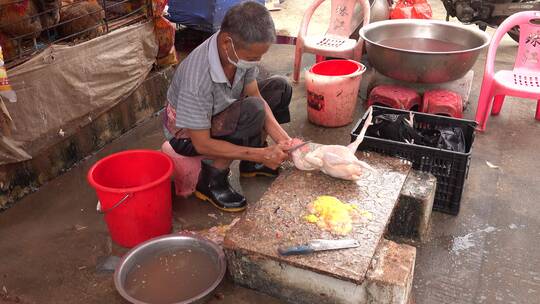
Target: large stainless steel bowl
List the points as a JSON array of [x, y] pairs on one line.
[[156, 246], [425, 66]]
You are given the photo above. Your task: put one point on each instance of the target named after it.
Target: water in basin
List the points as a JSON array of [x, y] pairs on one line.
[[172, 276]]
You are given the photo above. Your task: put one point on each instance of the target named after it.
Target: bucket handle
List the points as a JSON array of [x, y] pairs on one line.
[[99, 210]]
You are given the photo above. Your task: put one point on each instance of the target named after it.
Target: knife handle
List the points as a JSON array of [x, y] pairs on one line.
[[295, 250]]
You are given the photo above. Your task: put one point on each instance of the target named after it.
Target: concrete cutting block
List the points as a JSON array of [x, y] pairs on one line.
[[337, 276], [388, 280]]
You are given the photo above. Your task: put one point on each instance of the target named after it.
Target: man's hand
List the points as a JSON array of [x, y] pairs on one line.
[[287, 144], [274, 155]]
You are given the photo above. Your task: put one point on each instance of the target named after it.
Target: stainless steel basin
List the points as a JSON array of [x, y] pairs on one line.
[[399, 49], [174, 241]]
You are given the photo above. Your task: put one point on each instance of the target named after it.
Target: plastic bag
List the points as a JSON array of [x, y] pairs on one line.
[[452, 139], [164, 31], [411, 9], [449, 138], [394, 127], [398, 127], [158, 7]]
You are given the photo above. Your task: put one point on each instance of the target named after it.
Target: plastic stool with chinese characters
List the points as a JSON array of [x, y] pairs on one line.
[[186, 170], [443, 102], [396, 97]]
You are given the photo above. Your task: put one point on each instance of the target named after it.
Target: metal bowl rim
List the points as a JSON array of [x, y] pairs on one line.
[[159, 239], [485, 36]]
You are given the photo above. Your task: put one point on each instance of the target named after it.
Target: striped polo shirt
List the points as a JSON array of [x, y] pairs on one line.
[[200, 89]]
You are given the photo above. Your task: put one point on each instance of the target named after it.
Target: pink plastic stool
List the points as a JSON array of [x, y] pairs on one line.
[[443, 102], [394, 97], [186, 170]]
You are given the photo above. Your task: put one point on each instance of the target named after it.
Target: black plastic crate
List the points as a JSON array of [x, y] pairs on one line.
[[449, 167]]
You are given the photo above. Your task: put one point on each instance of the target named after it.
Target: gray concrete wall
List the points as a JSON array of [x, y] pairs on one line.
[[19, 179]]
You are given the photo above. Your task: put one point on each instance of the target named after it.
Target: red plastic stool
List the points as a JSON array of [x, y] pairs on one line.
[[186, 170], [394, 97], [443, 102]]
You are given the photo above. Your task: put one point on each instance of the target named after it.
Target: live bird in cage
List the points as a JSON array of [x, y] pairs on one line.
[[9, 47], [49, 14], [120, 8], [19, 21], [81, 19]]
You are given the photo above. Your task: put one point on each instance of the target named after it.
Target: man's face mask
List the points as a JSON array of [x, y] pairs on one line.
[[241, 63]]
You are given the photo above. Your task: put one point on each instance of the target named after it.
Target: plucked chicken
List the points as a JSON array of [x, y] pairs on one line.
[[334, 160]]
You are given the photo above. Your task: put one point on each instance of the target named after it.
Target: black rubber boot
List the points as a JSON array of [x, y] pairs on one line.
[[251, 169], [213, 186]]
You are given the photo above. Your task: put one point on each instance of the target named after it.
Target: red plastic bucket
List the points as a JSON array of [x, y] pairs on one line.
[[332, 91], [336, 67], [134, 192]]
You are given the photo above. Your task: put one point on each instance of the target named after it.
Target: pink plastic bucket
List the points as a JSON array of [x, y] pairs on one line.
[[332, 91]]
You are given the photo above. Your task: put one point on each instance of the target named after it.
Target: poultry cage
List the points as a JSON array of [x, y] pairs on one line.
[[29, 26]]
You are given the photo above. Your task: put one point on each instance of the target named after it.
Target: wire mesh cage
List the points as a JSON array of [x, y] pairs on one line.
[[29, 26]]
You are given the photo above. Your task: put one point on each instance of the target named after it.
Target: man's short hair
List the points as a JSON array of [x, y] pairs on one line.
[[249, 22]]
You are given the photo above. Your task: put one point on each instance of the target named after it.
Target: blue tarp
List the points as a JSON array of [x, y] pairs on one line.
[[205, 15]]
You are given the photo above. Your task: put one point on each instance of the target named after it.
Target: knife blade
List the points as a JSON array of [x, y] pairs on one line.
[[318, 245], [293, 148]]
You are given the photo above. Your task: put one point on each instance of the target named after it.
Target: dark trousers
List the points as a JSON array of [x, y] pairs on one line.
[[242, 123]]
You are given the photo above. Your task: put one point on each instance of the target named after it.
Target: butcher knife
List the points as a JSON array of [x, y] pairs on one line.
[[296, 147], [318, 245]]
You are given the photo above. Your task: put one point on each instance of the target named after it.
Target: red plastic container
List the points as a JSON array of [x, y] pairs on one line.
[[332, 91], [335, 67], [134, 191], [443, 102], [396, 97]]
